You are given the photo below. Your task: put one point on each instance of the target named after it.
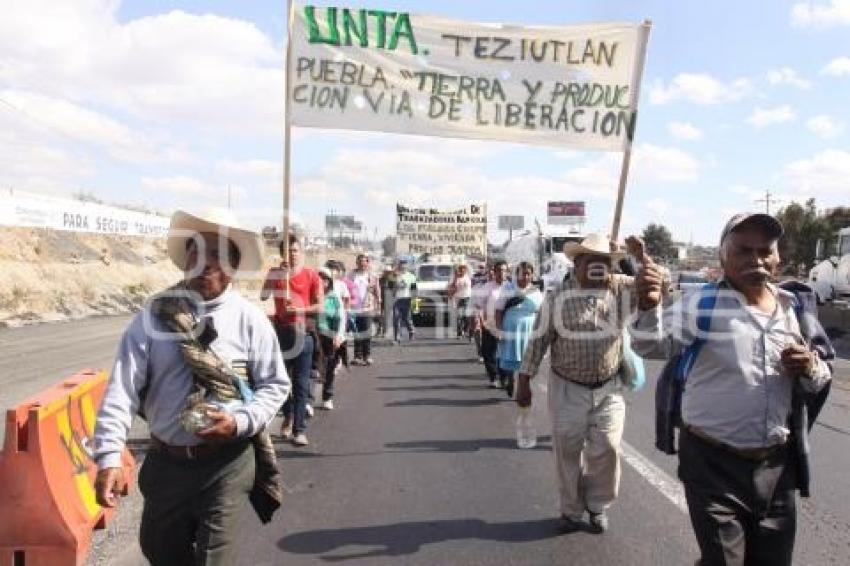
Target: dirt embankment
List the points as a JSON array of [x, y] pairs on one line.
[[50, 276], [54, 276]]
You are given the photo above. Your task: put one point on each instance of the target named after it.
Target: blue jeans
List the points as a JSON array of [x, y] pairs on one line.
[[401, 315], [363, 336], [298, 367]]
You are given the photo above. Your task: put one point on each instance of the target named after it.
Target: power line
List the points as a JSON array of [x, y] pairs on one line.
[[767, 200]]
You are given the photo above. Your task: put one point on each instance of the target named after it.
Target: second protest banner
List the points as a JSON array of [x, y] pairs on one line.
[[456, 232]]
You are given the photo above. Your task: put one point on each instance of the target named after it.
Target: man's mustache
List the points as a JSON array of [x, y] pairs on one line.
[[757, 271]]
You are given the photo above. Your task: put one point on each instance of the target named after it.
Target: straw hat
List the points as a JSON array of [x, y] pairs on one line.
[[214, 220], [595, 244]]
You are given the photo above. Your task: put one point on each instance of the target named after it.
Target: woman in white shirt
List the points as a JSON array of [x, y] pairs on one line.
[[460, 291]]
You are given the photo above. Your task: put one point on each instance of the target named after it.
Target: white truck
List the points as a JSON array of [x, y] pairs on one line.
[[830, 277], [544, 249], [432, 283]]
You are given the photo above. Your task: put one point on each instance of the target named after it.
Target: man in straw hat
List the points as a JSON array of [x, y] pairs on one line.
[[202, 365], [583, 326]]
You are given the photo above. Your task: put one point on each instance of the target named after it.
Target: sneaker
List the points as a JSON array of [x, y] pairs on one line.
[[357, 362], [480, 360], [599, 522], [300, 439], [368, 362], [493, 384], [568, 524], [328, 405], [308, 408], [509, 388], [286, 428]]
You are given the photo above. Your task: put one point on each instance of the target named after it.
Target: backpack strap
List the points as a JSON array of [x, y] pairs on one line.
[[705, 306]]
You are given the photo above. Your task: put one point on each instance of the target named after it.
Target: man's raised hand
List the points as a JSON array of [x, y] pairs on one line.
[[649, 280]]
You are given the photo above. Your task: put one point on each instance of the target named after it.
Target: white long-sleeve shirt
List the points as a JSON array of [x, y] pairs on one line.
[[737, 391], [149, 358]]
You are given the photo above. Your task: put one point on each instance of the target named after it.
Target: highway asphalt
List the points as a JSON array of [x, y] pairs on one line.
[[418, 465]]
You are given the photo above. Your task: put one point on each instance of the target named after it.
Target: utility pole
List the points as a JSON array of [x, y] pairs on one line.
[[768, 198]]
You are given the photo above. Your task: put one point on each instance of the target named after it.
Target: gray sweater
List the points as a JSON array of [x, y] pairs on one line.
[[149, 358]]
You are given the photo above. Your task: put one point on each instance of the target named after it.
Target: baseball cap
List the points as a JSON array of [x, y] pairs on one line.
[[766, 221]]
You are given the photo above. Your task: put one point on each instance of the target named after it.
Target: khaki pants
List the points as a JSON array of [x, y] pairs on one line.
[[587, 426]]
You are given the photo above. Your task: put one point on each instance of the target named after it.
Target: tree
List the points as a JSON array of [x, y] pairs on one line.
[[802, 229], [659, 242]]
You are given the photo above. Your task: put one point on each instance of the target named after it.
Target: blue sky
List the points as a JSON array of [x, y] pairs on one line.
[[169, 103]]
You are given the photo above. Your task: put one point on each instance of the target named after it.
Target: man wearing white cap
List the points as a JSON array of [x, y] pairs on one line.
[[735, 449], [582, 324], [201, 364]]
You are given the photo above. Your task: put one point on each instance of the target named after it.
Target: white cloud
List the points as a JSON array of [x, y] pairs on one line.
[[568, 154], [665, 164], [317, 189], [207, 71], [63, 121], [177, 184], [700, 88], [788, 76], [657, 206], [807, 14], [249, 168], [838, 67], [762, 117], [824, 126], [745, 190], [684, 131], [824, 175]]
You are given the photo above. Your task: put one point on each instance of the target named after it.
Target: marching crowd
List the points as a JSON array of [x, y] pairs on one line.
[[208, 371]]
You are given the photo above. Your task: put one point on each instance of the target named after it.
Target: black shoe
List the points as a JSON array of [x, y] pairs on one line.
[[599, 522], [568, 525], [509, 388]]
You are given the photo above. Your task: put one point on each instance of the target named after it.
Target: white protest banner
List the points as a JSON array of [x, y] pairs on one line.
[[371, 69], [442, 232], [30, 210]]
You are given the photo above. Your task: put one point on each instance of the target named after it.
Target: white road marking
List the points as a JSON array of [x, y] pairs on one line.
[[669, 487]]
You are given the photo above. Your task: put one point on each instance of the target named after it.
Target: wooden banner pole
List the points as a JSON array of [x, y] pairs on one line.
[[637, 75]]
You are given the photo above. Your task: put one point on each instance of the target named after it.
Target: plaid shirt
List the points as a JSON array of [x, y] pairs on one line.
[[584, 328]]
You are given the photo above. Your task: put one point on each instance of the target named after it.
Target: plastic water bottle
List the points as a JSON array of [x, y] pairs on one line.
[[526, 435]]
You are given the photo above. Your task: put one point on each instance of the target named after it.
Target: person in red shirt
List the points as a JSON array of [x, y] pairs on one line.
[[298, 297]]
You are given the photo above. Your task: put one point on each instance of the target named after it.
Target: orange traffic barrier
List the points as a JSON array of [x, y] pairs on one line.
[[47, 501]]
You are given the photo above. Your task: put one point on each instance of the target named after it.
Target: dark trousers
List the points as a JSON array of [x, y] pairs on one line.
[[743, 512], [363, 336], [401, 316], [490, 353], [462, 323], [192, 508], [332, 356], [297, 349]]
